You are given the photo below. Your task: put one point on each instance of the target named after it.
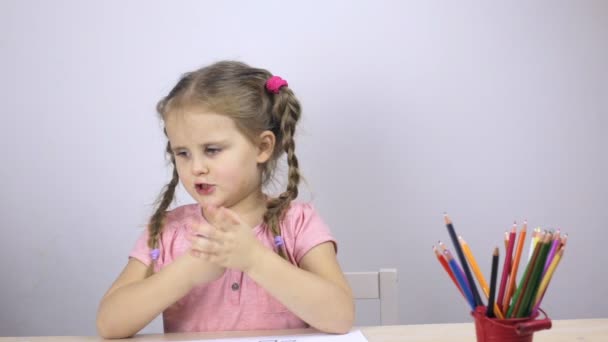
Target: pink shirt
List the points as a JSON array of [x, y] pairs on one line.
[[234, 301]]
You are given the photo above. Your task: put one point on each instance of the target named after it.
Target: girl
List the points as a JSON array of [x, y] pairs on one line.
[[237, 259]]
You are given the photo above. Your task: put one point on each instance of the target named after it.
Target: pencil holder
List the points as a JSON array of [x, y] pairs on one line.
[[507, 330]]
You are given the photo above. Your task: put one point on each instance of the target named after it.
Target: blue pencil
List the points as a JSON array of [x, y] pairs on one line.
[[460, 278]]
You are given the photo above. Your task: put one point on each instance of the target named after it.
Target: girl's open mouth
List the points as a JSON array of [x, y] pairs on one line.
[[204, 189]]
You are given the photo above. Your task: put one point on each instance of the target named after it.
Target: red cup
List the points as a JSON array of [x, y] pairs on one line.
[[507, 330]]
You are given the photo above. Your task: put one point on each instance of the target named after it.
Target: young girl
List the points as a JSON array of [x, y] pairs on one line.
[[237, 259]]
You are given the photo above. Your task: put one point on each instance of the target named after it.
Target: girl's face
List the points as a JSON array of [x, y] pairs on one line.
[[216, 163]]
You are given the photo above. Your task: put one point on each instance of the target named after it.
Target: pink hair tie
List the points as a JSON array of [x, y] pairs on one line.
[[275, 83]]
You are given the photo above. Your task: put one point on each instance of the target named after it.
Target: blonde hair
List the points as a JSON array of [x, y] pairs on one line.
[[238, 91]]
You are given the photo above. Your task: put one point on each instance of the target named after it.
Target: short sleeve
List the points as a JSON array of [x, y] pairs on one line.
[[310, 231], [141, 251]]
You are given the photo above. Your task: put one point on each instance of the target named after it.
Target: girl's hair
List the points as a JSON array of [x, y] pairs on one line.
[[238, 91]]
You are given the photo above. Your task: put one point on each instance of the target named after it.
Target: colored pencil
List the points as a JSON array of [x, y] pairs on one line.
[[476, 299], [554, 246], [523, 283], [491, 303], [447, 268], [443, 250], [540, 294], [564, 240], [535, 278], [480, 278], [533, 240], [511, 286], [506, 269], [473, 262], [461, 279]]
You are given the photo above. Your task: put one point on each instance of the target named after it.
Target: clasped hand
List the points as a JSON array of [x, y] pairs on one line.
[[224, 240]]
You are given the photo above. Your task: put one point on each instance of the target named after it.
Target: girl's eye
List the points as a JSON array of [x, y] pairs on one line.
[[181, 154], [212, 150]]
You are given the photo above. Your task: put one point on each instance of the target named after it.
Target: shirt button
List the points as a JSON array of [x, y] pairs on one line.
[[235, 286]]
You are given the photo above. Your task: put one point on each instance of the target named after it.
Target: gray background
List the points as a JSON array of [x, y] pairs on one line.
[[492, 111]]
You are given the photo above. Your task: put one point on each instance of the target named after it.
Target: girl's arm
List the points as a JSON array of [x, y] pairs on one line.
[[138, 296], [317, 292]]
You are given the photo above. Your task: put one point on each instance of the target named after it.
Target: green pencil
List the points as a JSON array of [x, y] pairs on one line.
[[530, 291], [523, 283]]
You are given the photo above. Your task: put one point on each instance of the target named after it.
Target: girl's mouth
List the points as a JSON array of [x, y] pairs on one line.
[[204, 189]]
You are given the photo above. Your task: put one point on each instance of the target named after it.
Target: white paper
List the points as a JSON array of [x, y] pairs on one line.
[[353, 336]]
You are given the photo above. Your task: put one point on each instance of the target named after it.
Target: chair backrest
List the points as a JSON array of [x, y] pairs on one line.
[[380, 285]]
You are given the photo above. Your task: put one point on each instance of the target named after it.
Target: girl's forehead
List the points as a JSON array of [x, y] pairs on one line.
[[189, 125]]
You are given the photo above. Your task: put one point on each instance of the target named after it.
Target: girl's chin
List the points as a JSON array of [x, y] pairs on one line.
[[210, 203]]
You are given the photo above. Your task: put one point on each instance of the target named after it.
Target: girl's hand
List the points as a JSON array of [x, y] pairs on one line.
[[203, 271], [226, 240]]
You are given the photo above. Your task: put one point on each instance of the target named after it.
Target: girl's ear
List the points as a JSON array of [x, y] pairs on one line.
[[266, 144]]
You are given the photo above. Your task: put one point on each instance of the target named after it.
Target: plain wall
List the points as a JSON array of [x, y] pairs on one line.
[[493, 111]]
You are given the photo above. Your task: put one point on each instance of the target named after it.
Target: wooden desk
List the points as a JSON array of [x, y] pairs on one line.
[[578, 330]]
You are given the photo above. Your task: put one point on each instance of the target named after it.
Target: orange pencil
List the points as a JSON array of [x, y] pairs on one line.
[[446, 267], [520, 247]]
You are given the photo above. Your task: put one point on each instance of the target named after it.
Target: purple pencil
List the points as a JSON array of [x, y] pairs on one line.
[[556, 242]]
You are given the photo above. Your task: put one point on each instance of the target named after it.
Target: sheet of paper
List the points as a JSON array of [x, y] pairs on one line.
[[353, 336]]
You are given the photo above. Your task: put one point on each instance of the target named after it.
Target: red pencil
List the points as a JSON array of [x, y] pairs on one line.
[[514, 268], [446, 267], [506, 270]]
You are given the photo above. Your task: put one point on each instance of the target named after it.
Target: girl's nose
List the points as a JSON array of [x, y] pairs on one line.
[[199, 166]]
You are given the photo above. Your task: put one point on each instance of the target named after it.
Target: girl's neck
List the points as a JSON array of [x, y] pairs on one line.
[[251, 209]]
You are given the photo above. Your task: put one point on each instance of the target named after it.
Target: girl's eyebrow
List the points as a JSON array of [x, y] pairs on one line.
[[207, 144]]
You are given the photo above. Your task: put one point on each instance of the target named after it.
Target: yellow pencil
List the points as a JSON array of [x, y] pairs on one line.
[[547, 278], [480, 278]]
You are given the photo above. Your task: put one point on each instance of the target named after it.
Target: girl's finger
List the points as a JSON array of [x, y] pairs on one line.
[[205, 230], [200, 255], [204, 245]]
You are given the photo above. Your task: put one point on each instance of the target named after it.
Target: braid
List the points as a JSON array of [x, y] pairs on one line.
[[163, 202], [287, 109]]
